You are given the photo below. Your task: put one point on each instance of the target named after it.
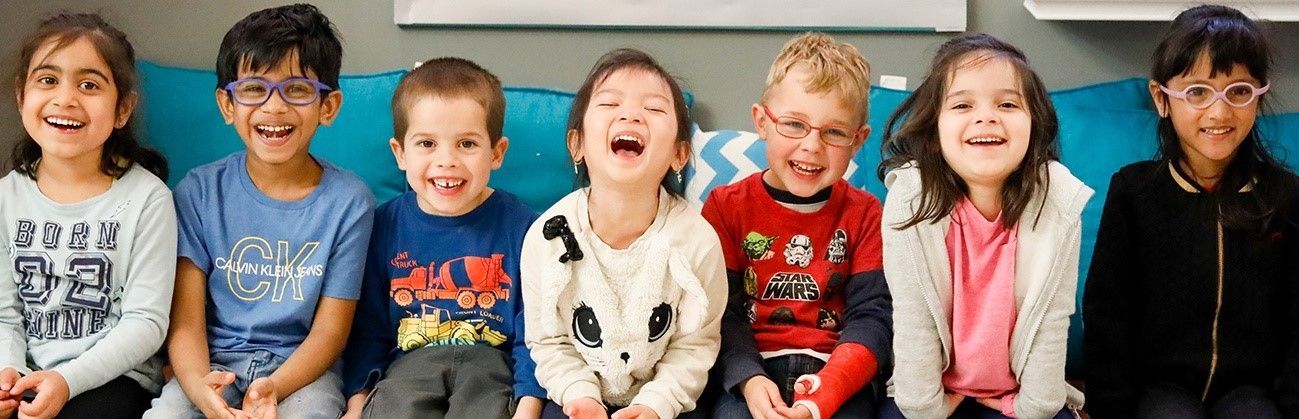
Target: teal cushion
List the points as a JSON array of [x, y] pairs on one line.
[[179, 117], [1102, 128]]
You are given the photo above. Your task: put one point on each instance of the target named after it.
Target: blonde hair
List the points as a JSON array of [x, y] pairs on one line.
[[833, 66]]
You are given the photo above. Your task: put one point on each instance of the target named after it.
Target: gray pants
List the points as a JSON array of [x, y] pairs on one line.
[[444, 382]]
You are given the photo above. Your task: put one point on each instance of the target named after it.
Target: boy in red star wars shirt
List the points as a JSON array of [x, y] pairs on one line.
[[809, 316]]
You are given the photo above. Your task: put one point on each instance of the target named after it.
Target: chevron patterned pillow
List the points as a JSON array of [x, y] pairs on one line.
[[726, 156]]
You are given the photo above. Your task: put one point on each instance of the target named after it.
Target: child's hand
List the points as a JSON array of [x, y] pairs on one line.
[[763, 398], [635, 411], [585, 408], [797, 412], [807, 384], [8, 403], [261, 400], [51, 393], [529, 408], [356, 404], [209, 400], [954, 400]]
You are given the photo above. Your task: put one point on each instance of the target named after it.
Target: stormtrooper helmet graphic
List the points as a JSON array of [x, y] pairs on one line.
[[798, 252]]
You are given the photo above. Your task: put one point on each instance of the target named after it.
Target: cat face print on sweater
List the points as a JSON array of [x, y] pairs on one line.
[[622, 344], [621, 314]]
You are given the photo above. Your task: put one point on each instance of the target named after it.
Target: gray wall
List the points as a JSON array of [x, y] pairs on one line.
[[725, 69]]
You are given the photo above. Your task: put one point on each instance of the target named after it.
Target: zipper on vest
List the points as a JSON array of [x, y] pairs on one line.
[[1217, 312]]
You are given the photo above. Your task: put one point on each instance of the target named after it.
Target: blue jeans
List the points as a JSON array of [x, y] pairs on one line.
[[784, 371], [322, 398]]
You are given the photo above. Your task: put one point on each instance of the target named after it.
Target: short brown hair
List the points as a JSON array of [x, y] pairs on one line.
[[834, 66], [449, 77]]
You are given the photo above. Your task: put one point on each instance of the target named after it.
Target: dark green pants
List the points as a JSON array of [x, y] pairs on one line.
[[445, 382]]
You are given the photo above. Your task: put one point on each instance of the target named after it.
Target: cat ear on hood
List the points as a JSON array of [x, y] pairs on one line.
[[557, 276], [694, 302]]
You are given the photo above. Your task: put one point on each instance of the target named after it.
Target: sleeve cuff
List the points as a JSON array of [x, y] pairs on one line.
[[661, 406], [525, 390], [371, 379], [737, 371], [75, 386], [579, 390]]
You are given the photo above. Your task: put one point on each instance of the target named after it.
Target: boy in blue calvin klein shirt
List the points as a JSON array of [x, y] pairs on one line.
[[272, 239], [440, 319]]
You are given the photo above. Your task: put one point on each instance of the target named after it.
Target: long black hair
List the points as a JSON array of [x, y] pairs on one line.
[[122, 149], [611, 62], [1226, 37]]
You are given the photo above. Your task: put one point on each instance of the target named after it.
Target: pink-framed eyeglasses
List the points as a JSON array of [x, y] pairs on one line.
[[1201, 96]]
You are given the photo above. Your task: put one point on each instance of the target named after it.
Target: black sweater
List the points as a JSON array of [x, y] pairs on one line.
[[1156, 308]]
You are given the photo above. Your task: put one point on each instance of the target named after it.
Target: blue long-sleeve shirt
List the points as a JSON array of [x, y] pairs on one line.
[[433, 280]]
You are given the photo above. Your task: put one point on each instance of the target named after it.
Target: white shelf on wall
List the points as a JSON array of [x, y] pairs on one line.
[[1154, 10]]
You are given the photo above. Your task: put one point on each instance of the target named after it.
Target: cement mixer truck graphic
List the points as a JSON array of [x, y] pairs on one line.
[[470, 280]]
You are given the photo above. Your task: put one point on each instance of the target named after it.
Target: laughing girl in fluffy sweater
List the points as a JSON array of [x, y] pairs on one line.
[[624, 284]]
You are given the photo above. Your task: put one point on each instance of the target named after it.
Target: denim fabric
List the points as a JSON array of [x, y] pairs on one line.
[[322, 398], [784, 371]]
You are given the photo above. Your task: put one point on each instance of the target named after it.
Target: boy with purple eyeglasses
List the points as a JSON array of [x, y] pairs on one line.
[[272, 239]]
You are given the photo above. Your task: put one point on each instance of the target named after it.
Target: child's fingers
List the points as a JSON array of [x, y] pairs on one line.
[[25, 383], [218, 379], [765, 408], [36, 407], [7, 407], [807, 384], [8, 377]]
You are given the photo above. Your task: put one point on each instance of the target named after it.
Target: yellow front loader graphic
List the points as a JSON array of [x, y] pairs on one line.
[[435, 327]]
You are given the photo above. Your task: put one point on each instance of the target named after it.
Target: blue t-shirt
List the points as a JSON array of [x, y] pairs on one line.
[[433, 280], [267, 261]]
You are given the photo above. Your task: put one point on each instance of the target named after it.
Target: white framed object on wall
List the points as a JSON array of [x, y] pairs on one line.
[[1154, 10], [829, 15]]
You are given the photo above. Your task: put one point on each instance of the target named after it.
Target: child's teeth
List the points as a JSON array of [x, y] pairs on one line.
[[447, 184], [1216, 131], [805, 168], [274, 128], [64, 122]]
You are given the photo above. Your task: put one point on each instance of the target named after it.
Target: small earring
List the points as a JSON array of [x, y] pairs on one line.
[[679, 177], [575, 169]]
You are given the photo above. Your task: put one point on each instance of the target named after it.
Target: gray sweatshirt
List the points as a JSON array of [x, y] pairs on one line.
[[85, 288], [919, 275]]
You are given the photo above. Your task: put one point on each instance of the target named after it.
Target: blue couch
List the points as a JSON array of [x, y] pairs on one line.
[[1102, 128]]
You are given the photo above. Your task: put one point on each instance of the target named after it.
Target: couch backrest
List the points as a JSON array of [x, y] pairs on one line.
[[1102, 128]]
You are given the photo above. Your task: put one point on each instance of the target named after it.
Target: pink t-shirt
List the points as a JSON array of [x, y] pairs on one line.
[[982, 254]]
